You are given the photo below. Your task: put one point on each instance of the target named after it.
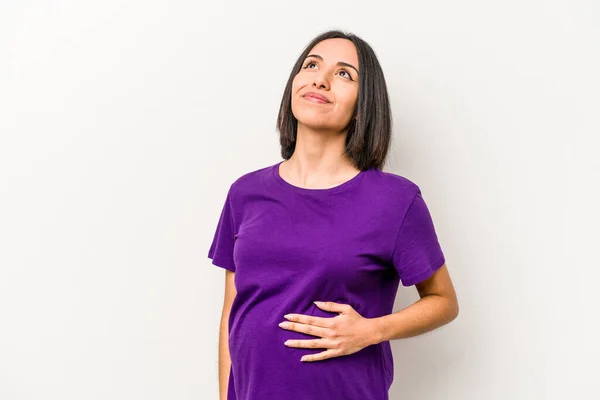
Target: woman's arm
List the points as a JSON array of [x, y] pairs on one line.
[[224, 357], [437, 306]]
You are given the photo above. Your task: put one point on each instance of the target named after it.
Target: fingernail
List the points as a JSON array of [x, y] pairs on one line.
[[283, 324]]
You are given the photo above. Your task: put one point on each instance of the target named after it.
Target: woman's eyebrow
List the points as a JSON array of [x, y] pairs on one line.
[[341, 63]]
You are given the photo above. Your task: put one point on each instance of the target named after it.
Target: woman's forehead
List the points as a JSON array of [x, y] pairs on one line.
[[334, 50]]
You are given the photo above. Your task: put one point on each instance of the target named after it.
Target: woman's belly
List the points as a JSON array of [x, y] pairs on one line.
[[264, 366]]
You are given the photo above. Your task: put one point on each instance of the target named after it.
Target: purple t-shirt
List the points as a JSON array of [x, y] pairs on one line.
[[289, 246]]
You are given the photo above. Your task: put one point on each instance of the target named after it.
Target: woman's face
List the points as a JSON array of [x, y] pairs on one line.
[[330, 71]]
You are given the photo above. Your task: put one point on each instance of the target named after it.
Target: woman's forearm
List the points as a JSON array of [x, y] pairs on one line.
[[224, 359], [426, 314]]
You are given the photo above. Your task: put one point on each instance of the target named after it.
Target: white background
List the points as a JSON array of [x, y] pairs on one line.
[[123, 123]]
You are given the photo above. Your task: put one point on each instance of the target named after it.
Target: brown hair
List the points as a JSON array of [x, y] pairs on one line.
[[369, 135]]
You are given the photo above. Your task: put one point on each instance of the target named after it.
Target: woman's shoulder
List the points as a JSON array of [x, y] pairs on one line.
[[395, 192], [395, 182], [252, 179]]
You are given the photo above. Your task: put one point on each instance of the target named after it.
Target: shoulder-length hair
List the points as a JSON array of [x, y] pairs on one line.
[[369, 135]]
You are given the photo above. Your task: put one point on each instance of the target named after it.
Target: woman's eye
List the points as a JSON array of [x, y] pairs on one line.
[[307, 66], [347, 73]]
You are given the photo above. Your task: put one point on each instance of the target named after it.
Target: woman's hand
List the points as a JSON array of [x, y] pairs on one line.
[[341, 335]]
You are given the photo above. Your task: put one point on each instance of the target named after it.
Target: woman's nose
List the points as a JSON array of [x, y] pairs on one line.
[[321, 80]]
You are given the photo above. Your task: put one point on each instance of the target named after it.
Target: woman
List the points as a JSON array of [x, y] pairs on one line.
[[326, 224]]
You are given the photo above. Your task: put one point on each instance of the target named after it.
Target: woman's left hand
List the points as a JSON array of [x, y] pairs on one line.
[[341, 335]]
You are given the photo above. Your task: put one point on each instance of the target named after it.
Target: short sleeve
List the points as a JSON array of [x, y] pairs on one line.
[[221, 249], [417, 253]]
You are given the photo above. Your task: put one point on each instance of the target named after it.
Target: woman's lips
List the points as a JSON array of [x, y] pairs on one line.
[[315, 99]]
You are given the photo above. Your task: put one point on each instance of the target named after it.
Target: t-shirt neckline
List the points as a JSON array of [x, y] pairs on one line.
[[335, 189]]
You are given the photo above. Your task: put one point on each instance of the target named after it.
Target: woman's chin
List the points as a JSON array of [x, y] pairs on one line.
[[318, 125], [316, 121]]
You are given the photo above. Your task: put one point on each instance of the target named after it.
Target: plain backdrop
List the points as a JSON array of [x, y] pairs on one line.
[[124, 122]]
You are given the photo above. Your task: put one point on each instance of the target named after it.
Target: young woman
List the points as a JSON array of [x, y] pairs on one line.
[[326, 225]]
